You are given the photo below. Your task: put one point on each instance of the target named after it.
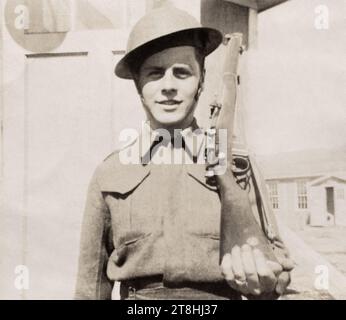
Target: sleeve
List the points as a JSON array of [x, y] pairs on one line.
[[92, 281]]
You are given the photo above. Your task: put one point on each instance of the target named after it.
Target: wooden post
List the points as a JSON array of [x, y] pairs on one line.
[[252, 28], [226, 17]]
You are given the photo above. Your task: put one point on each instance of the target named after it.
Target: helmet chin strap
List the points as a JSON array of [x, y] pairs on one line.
[[200, 86], [199, 91]]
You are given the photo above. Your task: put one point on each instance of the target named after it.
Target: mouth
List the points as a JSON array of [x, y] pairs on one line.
[[170, 102], [169, 105]]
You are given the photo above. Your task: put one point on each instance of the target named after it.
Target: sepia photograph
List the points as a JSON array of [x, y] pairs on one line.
[[173, 150]]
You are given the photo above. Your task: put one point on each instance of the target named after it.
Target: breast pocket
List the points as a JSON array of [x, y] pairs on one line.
[[133, 207], [204, 210]]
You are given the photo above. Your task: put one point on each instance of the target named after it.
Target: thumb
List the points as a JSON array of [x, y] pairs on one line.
[[286, 263], [275, 267], [283, 282]]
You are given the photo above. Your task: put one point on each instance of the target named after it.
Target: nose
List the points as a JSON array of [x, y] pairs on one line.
[[169, 85]]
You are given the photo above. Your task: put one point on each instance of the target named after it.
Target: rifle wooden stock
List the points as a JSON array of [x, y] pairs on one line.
[[238, 223]]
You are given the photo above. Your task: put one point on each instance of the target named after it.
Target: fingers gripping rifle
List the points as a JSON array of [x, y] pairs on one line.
[[238, 223]]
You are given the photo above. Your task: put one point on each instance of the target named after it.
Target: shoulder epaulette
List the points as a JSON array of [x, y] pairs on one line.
[[129, 144]]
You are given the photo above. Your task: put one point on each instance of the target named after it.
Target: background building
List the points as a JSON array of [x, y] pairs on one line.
[[307, 187]]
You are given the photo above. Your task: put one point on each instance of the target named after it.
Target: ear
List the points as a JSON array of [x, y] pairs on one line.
[[139, 91], [135, 78]]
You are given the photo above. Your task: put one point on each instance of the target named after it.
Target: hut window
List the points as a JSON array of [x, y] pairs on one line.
[[340, 194], [273, 194], [302, 195]]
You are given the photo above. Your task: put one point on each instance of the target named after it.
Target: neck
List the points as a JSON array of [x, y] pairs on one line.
[[188, 122]]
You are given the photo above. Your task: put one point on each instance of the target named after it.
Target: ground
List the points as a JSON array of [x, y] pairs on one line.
[[330, 243]]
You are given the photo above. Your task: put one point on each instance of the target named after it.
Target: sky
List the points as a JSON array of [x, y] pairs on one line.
[[295, 81]]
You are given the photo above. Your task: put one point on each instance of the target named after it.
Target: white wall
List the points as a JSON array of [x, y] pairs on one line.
[[288, 211], [340, 204], [319, 201]]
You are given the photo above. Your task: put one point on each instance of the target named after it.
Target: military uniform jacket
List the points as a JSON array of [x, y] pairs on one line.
[[148, 219]]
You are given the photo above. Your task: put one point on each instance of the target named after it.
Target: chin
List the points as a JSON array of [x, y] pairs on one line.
[[169, 119]]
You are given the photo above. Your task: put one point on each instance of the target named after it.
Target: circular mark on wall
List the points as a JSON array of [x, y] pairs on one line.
[[26, 23]]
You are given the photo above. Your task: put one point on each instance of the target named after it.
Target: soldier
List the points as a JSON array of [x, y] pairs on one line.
[[153, 226]]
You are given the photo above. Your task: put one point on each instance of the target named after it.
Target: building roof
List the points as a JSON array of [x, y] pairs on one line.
[[320, 180], [259, 5], [306, 163]]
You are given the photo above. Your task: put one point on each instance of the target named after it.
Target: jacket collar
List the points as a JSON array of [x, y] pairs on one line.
[[191, 139], [114, 176]]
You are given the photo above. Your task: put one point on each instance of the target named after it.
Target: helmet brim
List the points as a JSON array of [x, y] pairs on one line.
[[205, 39]]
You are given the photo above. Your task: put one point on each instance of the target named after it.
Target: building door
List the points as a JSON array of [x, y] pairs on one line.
[[62, 111], [330, 201]]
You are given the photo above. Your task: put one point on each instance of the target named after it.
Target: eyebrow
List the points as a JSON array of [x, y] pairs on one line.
[[153, 68], [175, 66], [183, 68]]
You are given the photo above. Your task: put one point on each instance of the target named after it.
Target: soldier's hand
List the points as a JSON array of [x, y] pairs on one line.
[[248, 271], [284, 278]]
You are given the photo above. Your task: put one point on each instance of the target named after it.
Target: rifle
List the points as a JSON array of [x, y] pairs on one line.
[[238, 223]]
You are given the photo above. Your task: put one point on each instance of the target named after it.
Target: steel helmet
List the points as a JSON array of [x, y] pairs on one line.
[[164, 28]]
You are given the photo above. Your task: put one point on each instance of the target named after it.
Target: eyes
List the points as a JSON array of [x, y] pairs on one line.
[[178, 72], [182, 73]]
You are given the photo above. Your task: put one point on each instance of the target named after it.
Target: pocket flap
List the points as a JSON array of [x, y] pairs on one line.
[[197, 172], [121, 178]]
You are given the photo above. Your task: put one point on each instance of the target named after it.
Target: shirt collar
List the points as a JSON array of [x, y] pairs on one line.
[[192, 139]]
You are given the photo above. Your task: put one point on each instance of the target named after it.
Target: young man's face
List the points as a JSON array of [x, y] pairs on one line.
[[168, 82]]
